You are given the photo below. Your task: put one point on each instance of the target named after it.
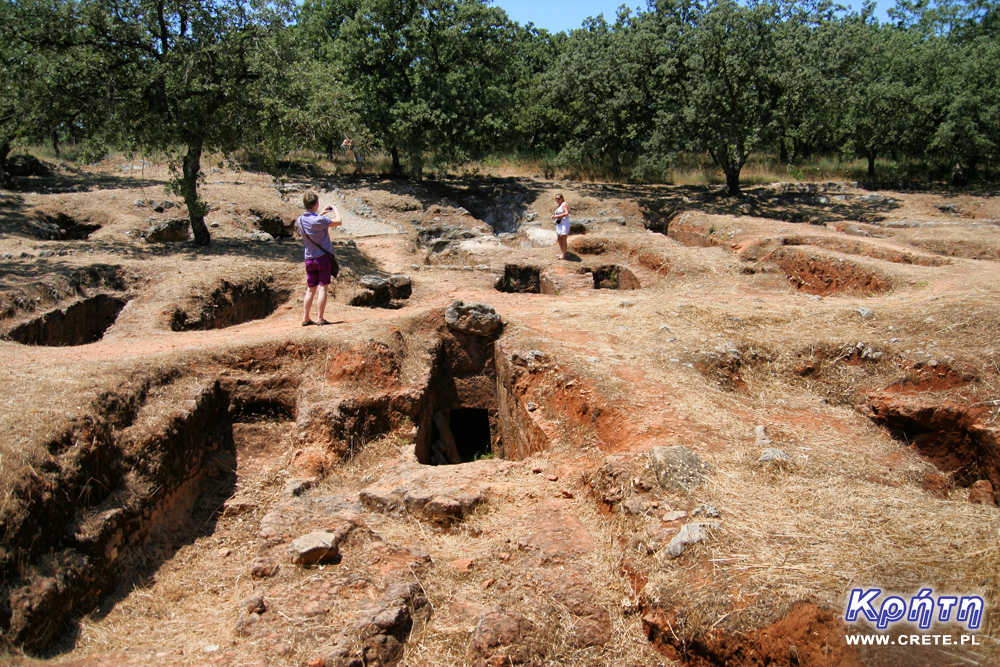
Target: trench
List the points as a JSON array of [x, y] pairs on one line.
[[183, 458], [79, 324], [948, 435], [229, 304], [520, 279], [612, 276], [825, 276]]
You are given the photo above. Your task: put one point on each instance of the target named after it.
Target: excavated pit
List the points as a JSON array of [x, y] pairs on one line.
[[825, 276], [612, 276], [60, 226], [951, 436], [126, 486], [165, 461], [230, 304], [460, 420], [520, 279], [82, 323]]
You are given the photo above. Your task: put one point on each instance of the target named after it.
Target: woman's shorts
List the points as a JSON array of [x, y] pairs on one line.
[[562, 227], [318, 271]]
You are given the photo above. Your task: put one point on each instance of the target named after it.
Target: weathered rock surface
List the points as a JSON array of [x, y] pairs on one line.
[[981, 493], [318, 547], [678, 469], [442, 495], [476, 319], [691, 533]]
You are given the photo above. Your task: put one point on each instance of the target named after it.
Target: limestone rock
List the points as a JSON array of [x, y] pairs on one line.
[[775, 456], [691, 533], [678, 469], [476, 319], [260, 237], [541, 238], [400, 287], [760, 433], [318, 547], [372, 291]]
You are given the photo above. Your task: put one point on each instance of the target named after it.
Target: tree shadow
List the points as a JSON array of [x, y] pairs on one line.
[[69, 179]]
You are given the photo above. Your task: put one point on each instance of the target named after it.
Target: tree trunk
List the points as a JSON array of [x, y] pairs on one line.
[[4, 152], [189, 190], [871, 165], [783, 151], [733, 181], [417, 166], [397, 169]]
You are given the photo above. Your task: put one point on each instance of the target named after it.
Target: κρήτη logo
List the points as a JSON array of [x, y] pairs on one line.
[[923, 608]]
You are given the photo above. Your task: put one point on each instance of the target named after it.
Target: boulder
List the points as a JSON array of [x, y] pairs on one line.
[[373, 291], [678, 469], [170, 231], [476, 319], [400, 287]]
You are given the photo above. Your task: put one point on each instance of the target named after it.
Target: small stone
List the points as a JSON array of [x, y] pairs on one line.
[[462, 564], [316, 662], [865, 312], [489, 582], [634, 506], [254, 604], [247, 624], [263, 567], [566, 493], [774, 455], [282, 648], [531, 408], [709, 511], [760, 432], [553, 478], [536, 470], [223, 552], [315, 609], [981, 493], [676, 515], [314, 548], [691, 533]]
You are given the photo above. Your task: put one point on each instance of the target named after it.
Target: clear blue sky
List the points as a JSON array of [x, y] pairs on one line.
[[565, 15]]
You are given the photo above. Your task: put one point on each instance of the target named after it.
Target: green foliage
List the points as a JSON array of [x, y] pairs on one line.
[[601, 85], [440, 82], [49, 73], [432, 79], [199, 74]]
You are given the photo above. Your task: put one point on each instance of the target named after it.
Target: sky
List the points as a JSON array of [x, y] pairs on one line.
[[566, 15]]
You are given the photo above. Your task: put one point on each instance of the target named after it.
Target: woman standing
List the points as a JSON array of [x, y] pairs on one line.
[[561, 216]]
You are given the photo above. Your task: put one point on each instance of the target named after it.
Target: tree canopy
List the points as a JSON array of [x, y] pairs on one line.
[[443, 81]]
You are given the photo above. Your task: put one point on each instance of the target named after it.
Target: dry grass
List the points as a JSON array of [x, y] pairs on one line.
[[849, 513]]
